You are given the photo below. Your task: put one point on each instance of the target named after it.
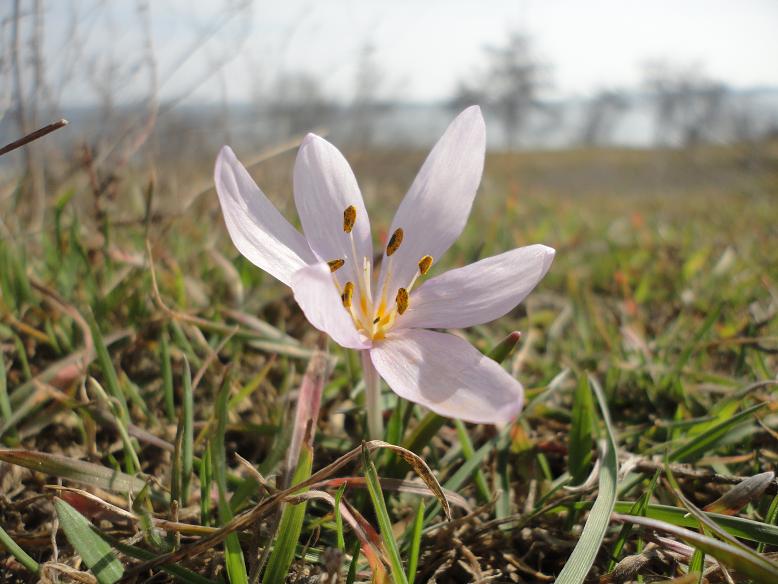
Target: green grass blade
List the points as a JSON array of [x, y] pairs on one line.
[[187, 440], [352, 569], [502, 350], [423, 432], [21, 556], [740, 527], [580, 561], [106, 366], [233, 554], [384, 523], [93, 549], [579, 459], [78, 471], [638, 508], [167, 375], [707, 440], [5, 404], [133, 462], [482, 488], [339, 519], [748, 563], [206, 480], [290, 526], [181, 574], [415, 550]]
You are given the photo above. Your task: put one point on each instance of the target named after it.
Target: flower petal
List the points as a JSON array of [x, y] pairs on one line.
[[324, 186], [316, 294], [478, 293], [448, 375], [435, 210], [256, 227]]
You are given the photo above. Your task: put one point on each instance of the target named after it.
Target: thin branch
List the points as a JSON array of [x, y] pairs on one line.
[[32, 136]]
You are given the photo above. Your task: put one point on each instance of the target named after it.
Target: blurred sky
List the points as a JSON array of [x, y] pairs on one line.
[[421, 47]]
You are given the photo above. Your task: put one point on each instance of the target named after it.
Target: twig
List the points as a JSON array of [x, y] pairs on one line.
[[32, 136], [645, 466]]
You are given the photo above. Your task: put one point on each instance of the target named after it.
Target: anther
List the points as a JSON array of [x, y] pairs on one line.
[[402, 300], [425, 264], [349, 218], [335, 265], [395, 241], [376, 319], [348, 293]]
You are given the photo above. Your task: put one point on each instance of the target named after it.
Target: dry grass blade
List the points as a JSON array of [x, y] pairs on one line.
[[401, 486], [748, 563], [742, 494], [78, 471], [250, 517], [368, 541], [308, 403], [582, 558]]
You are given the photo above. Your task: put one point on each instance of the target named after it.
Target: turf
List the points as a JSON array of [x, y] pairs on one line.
[[141, 355]]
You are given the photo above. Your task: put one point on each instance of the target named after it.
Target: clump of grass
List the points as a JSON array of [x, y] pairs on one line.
[[135, 373]]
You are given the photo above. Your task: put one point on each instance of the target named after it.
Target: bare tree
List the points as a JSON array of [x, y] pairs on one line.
[[601, 115], [688, 105], [367, 105], [510, 85], [299, 104]]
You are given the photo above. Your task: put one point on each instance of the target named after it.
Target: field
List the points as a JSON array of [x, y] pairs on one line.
[[649, 355]]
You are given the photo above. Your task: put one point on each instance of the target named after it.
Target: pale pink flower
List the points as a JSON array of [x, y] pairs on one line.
[[387, 315]]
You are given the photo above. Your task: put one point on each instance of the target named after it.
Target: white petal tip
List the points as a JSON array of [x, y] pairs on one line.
[[310, 138], [549, 254], [473, 112], [224, 152]]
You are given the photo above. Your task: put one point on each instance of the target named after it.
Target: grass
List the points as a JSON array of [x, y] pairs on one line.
[[137, 387]]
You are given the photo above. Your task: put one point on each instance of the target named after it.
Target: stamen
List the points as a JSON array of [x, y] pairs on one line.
[[335, 265], [402, 300], [425, 264], [395, 241], [349, 218], [376, 319], [348, 293]]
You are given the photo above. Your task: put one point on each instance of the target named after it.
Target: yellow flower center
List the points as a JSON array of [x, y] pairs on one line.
[[373, 318]]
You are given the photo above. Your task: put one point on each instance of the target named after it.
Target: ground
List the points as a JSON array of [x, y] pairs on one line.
[[660, 308]]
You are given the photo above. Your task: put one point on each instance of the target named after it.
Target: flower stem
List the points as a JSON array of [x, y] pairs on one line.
[[375, 420]]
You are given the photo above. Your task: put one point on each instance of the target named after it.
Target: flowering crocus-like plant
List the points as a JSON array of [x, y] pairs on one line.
[[386, 314]]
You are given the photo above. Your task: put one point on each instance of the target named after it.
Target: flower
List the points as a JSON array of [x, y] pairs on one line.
[[388, 317]]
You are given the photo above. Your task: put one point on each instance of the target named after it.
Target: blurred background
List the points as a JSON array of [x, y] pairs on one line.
[[604, 111], [176, 79]]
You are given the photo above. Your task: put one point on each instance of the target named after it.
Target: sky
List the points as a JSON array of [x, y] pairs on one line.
[[422, 48]]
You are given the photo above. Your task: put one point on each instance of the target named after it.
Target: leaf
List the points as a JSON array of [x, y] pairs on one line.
[[369, 540], [384, 523], [78, 471], [468, 451], [21, 556], [710, 438], [93, 549], [187, 439], [106, 365], [756, 531], [580, 561], [418, 524], [233, 554], [749, 563], [502, 350], [182, 574], [579, 457], [290, 526], [741, 494]]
